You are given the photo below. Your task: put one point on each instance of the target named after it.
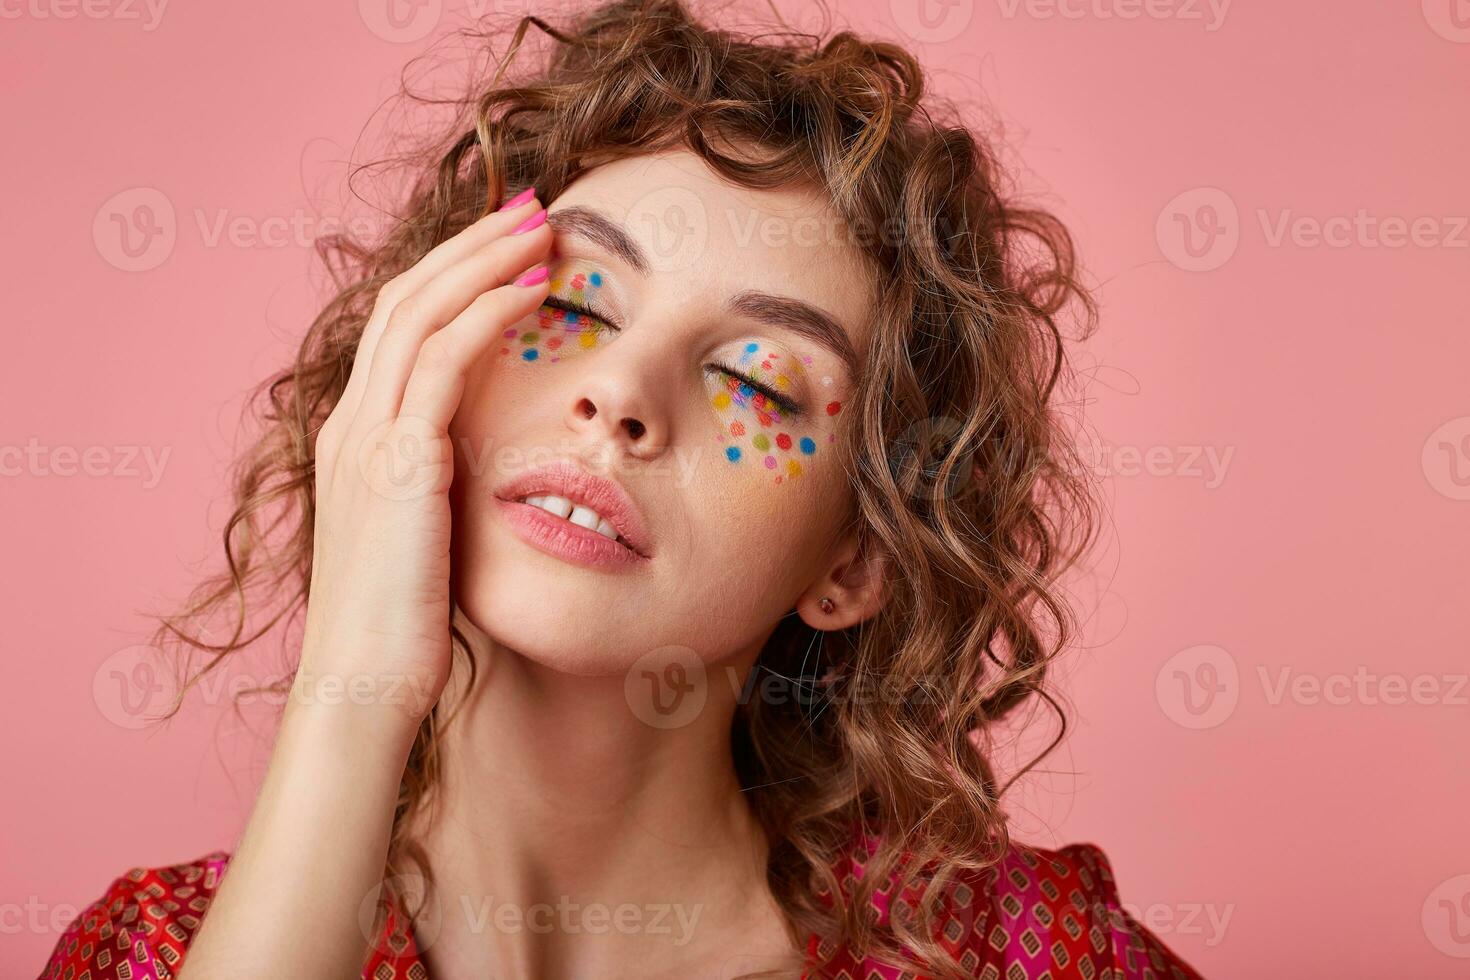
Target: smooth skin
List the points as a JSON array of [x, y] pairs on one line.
[[317, 836], [554, 793]]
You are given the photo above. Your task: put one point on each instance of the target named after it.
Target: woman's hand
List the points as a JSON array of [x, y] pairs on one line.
[[375, 656], [377, 624]]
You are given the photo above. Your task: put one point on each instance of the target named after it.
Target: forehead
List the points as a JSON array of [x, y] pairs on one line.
[[706, 239]]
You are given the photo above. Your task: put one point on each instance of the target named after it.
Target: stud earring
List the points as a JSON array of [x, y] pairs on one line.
[[826, 605]]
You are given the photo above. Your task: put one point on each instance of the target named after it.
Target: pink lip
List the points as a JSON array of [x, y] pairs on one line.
[[564, 539]]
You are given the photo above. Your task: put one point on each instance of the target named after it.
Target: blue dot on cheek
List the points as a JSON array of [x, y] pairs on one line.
[[529, 355], [732, 453], [807, 446]]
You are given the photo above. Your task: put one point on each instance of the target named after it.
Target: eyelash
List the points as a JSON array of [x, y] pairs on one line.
[[782, 401], [557, 303]]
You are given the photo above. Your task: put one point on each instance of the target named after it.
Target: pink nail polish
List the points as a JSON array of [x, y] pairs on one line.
[[534, 221], [533, 278], [519, 199]]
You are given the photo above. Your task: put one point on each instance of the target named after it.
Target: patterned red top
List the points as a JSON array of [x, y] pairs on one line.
[[1038, 914]]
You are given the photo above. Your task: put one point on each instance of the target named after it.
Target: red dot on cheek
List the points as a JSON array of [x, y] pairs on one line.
[[833, 408], [784, 441]]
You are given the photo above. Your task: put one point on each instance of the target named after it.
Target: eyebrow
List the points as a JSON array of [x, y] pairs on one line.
[[591, 225], [800, 318], [795, 315]]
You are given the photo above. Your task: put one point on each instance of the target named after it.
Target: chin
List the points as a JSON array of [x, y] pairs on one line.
[[553, 613], [586, 621]]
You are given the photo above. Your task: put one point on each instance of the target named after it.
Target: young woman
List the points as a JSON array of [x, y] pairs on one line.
[[676, 495]]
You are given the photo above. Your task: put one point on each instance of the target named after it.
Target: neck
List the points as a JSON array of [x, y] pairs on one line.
[[568, 837]]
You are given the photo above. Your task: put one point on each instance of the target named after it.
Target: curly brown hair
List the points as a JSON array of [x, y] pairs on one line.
[[962, 469]]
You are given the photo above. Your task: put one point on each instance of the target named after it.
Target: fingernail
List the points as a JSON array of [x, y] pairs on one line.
[[519, 199], [533, 278], [534, 221]]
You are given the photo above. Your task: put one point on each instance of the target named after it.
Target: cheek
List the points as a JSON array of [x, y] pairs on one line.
[[758, 545], [549, 336], [759, 439]]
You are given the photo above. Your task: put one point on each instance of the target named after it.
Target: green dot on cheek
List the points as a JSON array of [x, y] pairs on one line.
[[762, 442]]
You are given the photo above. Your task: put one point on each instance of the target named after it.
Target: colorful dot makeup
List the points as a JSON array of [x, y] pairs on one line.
[[557, 333], [760, 430]]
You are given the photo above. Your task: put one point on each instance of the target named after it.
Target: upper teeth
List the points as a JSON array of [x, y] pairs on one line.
[[576, 513]]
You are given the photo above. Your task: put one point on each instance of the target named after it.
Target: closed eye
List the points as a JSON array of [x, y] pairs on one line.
[[784, 402], [578, 315], [584, 313]]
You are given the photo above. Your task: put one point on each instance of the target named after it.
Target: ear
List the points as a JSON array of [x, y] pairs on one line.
[[854, 578]]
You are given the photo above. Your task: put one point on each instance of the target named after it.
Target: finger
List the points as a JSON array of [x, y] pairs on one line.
[[436, 303], [438, 378], [435, 261]]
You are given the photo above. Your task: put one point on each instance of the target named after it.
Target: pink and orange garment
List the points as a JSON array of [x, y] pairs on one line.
[[1038, 914]]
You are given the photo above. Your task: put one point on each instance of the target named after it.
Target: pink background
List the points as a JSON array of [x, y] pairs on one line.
[[1329, 379]]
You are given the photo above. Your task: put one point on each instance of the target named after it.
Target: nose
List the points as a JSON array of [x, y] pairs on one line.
[[618, 410]]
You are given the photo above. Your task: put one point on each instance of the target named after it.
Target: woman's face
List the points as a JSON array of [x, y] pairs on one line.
[[709, 383]]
